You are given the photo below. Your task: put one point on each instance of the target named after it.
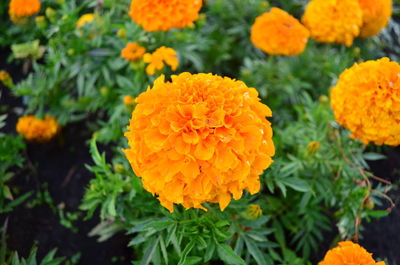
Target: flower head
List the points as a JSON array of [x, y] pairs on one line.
[[160, 56], [278, 33], [23, 8], [163, 15], [132, 51], [84, 19], [349, 253], [4, 75], [199, 138], [376, 14], [366, 100], [37, 130], [333, 21]]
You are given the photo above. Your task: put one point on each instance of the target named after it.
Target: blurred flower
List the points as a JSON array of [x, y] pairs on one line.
[[376, 14], [6, 79], [349, 253], [129, 100], [333, 21], [104, 91], [161, 15], [23, 8], [160, 56], [132, 51], [313, 147], [366, 100], [41, 22], [37, 130], [121, 33], [278, 33], [84, 19], [199, 138], [253, 211], [31, 49]]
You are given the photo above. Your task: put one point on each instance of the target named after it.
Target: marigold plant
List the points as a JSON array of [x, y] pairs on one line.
[[349, 253], [84, 19], [162, 15], [159, 57], [199, 138], [132, 51], [376, 14], [278, 33], [366, 100], [333, 21], [34, 129]]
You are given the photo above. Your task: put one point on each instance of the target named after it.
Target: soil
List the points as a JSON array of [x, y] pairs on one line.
[[60, 164]]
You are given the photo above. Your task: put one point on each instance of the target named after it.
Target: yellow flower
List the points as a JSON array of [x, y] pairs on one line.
[[157, 59], [133, 51], [84, 19], [37, 130], [129, 100], [349, 253], [23, 8], [199, 138], [333, 21], [278, 33], [376, 14], [161, 15], [121, 33], [366, 100]]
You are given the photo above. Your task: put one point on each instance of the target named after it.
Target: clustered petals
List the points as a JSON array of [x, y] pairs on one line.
[[376, 14], [366, 100], [333, 21], [163, 15], [34, 129], [23, 8], [133, 51], [199, 138], [278, 33], [161, 56], [349, 253]]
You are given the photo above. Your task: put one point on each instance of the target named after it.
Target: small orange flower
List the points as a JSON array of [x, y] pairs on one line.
[[157, 59], [132, 51], [333, 21], [37, 130], [199, 138], [278, 33], [84, 19], [349, 253], [376, 14], [24, 8], [163, 15], [129, 100], [366, 100]]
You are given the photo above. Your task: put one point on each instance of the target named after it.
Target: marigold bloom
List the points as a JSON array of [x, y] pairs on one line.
[[157, 59], [349, 253], [132, 51], [37, 130], [333, 20], [163, 15], [278, 33], [199, 138], [84, 19], [23, 8], [376, 14], [366, 100]]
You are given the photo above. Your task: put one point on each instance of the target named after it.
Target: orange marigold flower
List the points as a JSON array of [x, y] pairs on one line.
[[37, 130], [278, 33], [23, 8], [132, 51], [199, 138], [157, 59], [349, 253], [129, 100], [332, 21], [84, 19], [163, 15], [376, 14], [366, 100]]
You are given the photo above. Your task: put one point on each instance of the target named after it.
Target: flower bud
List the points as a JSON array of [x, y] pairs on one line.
[[104, 91], [50, 14], [253, 212], [119, 168], [323, 99], [41, 22], [121, 33], [312, 148]]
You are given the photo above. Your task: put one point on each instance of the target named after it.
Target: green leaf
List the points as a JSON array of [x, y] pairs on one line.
[[186, 251], [296, 184], [148, 255], [226, 253], [373, 156], [256, 253]]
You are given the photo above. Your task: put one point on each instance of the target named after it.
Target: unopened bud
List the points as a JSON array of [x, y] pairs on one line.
[[312, 148]]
